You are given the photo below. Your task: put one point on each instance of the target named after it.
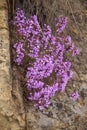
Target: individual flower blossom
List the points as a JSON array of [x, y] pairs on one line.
[[68, 40], [70, 48], [74, 96], [75, 52]]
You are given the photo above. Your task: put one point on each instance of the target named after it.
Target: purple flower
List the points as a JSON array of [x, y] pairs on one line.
[[74, 96], [68, 40], [19, 52], [48, 69], [75, 52], [61, 24]]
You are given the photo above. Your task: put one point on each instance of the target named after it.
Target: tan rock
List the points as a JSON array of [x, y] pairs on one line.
[[10, 118], [3, 4], [3, 19]]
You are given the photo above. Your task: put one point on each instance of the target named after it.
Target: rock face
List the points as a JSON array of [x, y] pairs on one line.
[[8, 109], [63, 114]]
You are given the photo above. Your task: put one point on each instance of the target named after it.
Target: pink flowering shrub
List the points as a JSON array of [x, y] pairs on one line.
[[47, 70]]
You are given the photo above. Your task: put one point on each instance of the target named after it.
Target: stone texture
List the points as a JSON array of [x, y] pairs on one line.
[[3, 19], [10, 118], [3, 4]]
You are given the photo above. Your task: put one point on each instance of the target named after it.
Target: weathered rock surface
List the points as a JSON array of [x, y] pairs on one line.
[[63, 114], [10, 118]]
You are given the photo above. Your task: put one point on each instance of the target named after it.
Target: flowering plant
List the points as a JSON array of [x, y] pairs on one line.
[[47, 71]]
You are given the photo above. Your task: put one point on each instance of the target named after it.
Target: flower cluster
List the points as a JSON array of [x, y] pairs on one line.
[[61, 24], [48, 71], [19, 52]]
